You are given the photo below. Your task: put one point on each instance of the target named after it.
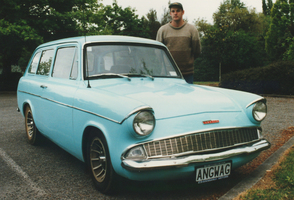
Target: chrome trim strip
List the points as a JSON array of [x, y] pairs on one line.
[[29, 93], [143, 165], [135, 111], [86, 111], [259, 99], [97, 115]]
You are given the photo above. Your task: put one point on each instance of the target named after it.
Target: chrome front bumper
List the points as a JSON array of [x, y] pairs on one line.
[[135, 165]]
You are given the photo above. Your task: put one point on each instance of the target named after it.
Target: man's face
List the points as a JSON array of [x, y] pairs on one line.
[[176, 13]]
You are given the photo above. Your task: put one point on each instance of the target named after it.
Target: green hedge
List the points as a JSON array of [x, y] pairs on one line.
[[276, 78]]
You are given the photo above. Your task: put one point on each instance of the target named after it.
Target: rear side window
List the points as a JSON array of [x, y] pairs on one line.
[[45, 62], [65, 63], [34, 64]]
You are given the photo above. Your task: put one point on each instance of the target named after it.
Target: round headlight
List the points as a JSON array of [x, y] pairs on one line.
[[144, 123], [259, 111]]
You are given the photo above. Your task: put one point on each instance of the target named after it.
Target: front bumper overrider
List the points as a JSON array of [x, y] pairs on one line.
[[149, 164]]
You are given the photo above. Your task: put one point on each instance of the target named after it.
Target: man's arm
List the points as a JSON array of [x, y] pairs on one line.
[[159, 35], [196, 45]]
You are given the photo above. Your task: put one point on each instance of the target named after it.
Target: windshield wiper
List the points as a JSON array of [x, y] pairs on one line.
[[140, 75], [152, 78], [109, 75]]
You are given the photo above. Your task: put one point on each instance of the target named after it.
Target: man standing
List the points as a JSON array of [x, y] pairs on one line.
[[182, 40]]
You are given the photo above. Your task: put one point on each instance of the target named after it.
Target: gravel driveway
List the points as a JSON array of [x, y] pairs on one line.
[[280, 116]]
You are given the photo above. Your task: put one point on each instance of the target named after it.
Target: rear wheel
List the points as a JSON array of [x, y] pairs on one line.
[[98, 161], [33, 135]]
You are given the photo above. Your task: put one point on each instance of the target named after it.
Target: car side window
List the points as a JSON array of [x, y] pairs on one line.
[[45, 62], [65, 63], [34, 64]]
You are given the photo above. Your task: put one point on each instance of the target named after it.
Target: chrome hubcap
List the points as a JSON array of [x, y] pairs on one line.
[[98, 159]]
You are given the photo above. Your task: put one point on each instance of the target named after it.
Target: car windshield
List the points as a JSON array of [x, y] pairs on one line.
[[107, 61]]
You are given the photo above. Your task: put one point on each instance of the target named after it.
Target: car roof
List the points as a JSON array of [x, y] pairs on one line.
[[101, 38]]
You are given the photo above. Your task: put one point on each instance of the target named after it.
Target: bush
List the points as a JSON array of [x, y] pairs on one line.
[[276, 78]]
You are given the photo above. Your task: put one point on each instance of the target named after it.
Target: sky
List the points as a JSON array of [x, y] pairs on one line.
[[194, 9]]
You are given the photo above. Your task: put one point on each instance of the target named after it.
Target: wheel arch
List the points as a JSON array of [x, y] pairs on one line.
[[24, 106], [87, 132]]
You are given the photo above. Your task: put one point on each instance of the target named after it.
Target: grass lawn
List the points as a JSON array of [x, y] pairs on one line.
[[278, 184]]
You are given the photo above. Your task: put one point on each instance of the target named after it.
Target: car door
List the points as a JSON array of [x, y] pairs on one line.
[[59, 93], [33, 83]]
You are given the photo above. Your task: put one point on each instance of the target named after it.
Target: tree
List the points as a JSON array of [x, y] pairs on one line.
[[24, 24], [289, 54], [279, 37], [16, 40], [16, 35], [236, 36], [166, 18], [55, 19], [270, 5], [27, 23], [266, 7], [152, 23], [236, 16], [124, 21], [235, 41], [202, 26]]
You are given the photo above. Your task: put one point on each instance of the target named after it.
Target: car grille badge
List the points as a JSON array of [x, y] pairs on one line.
[[211, 122]]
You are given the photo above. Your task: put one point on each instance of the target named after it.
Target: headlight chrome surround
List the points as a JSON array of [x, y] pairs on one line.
[[259, 111], [144, 123]]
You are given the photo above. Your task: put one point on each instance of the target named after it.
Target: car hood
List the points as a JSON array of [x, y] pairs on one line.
[[168, 98]]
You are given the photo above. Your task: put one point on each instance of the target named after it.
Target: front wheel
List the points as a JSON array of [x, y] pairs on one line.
[[99, 164], [33, 135]]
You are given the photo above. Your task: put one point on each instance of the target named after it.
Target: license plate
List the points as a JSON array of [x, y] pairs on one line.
[[215, 172]]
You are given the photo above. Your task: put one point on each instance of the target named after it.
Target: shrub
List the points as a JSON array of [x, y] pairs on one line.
[[276, 78]]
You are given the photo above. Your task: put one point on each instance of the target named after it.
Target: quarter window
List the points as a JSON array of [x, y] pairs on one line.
[[34, 64], [45, 62], [65, 65]]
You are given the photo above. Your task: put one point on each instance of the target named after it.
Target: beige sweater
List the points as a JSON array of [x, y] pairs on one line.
[[183, 43]]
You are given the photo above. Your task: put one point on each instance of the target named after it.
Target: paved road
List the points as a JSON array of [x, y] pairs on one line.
[[48, 172]]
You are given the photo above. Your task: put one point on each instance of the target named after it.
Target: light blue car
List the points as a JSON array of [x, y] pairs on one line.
[[121, 105]]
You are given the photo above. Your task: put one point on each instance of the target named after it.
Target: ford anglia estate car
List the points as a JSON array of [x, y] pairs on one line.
[[121, 105]]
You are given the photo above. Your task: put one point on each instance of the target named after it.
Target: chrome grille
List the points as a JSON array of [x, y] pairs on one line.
[[203, 141]]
